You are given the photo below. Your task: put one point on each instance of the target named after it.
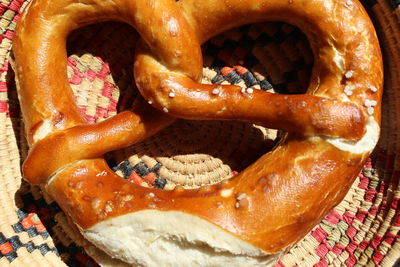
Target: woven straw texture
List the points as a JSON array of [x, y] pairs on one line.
[[363, 230]]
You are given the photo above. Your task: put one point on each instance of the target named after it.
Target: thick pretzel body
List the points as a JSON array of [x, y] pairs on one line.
[[274, 202]]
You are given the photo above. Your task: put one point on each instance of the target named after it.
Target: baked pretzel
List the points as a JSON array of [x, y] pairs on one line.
[[250, 219]]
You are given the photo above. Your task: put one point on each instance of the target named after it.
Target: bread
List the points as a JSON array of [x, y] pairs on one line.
[[248, 220]]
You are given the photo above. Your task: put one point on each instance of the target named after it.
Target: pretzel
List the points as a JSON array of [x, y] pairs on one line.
[[252, 218]]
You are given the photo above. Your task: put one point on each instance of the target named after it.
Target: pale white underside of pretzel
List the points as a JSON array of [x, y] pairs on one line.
[[364, 145], [173, 239]]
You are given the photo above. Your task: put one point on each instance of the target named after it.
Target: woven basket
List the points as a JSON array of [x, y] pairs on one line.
[[363, 230]]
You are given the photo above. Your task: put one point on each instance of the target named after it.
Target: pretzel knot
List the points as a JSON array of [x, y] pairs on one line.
[[249, 219]]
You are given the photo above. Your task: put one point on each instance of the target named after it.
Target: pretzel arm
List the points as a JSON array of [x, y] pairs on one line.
[[90, 141], [303, 114]]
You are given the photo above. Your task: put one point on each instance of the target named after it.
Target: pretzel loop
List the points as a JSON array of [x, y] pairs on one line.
[[46, 98], [330, 109], [265, 209]]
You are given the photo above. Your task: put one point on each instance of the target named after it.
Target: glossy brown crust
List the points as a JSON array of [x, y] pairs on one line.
[[278, 199]]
